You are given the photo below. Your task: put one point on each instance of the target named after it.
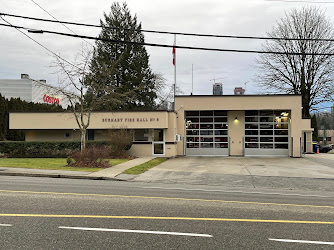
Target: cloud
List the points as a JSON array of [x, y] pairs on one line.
[[241, 17]]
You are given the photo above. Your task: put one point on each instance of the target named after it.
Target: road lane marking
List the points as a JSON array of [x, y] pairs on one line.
[[162, 218], [136, 231], [241, 192], [303, 241], [6, 225], [169, 198]]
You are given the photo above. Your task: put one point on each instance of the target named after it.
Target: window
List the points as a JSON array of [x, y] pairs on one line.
[[67, 135], [329, 139], [140, 135], [321, 138], [90, 134]]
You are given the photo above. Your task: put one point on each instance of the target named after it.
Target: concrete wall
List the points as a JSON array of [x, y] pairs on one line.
[[99, 120], [52, 135]]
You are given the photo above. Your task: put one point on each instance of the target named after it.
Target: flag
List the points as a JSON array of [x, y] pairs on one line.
[[173, 55]]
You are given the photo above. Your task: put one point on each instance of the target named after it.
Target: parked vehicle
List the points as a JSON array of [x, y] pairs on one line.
[[325, 149], [322, 148]]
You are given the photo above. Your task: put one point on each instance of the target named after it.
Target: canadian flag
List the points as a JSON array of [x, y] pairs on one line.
[[173, 55]]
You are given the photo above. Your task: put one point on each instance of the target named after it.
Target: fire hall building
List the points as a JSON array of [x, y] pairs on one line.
[[222, 125]]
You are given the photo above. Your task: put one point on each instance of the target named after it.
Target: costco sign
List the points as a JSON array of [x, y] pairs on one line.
[[50, 99]]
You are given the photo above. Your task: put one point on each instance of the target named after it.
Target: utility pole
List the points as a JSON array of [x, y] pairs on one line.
[[174, 62], [192, 79]]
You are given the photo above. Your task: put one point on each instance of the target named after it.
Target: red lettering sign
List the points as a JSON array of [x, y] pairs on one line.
[[50, 99]]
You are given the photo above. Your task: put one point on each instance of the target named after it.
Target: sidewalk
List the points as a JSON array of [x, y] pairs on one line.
[[111, 173], [105, 174]]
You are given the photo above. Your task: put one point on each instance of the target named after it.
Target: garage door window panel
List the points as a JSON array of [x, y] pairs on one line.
[[251, 145], [221, 145], [281, 146], [206, 126], [206, 145]]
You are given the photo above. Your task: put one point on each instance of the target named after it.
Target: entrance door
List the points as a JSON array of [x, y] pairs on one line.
[[158, 142]]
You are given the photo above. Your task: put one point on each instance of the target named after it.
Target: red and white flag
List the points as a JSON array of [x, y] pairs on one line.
[[173, 55]]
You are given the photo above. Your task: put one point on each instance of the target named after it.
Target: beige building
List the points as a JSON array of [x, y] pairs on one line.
[[240, 125], [326, 136]]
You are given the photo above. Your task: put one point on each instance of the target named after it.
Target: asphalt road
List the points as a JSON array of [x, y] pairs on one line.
[[45, 213]]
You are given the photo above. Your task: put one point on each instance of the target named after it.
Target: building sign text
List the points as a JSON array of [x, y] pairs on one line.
[[128, 120]]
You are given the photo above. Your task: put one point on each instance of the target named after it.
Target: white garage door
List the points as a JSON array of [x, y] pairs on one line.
[[267, 132], [206, 132]]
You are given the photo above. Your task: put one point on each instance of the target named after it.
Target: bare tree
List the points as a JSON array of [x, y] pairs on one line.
[[165, 93], [82, 96], [308, 75]]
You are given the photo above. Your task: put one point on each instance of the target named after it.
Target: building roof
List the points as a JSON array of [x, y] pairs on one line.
[[111, 111], [215, 96]]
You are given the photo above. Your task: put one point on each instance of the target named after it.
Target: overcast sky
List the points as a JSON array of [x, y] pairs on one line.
[[235, 17]]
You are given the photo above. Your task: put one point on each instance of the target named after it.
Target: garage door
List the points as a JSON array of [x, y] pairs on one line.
[[267, 133], [206, 132]]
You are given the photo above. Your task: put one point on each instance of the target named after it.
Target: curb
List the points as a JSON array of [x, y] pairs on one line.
[[84, 177]]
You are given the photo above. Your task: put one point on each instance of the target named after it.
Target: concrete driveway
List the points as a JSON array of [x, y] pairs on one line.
[[311, 166]]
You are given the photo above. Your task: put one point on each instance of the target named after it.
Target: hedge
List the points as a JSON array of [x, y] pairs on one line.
[[23, 149]]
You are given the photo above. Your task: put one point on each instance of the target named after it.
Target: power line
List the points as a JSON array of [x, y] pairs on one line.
[[166, 45], [59, 21], [168, 32], [298, 1], [18, 29]]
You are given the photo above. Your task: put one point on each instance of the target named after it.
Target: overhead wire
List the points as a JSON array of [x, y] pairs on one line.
[[169, 32], [299, 1], [166, 45], [53, 53], [59, 21]]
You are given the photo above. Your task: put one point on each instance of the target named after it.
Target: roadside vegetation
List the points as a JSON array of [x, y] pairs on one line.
[[145, 166], [49, 163], [67, 155]]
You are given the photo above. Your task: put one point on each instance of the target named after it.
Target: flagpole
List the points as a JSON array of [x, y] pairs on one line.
[[192, 79], [174, 69]]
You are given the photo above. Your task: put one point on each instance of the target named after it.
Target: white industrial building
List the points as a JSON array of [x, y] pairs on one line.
[[31, 90]]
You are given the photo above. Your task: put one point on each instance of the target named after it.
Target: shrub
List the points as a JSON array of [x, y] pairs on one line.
[[69, 160], [23, 149], [92, 157], [120, 141]]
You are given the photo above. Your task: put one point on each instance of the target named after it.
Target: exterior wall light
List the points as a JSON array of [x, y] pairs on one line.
[[236, 118]]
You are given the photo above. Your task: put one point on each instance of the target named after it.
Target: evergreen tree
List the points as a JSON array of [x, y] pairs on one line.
[[314, 125], [17, 105], [3, 118], [125, 67]]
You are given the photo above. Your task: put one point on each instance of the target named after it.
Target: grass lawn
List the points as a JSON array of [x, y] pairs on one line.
[[48, 163], [145, 166]]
